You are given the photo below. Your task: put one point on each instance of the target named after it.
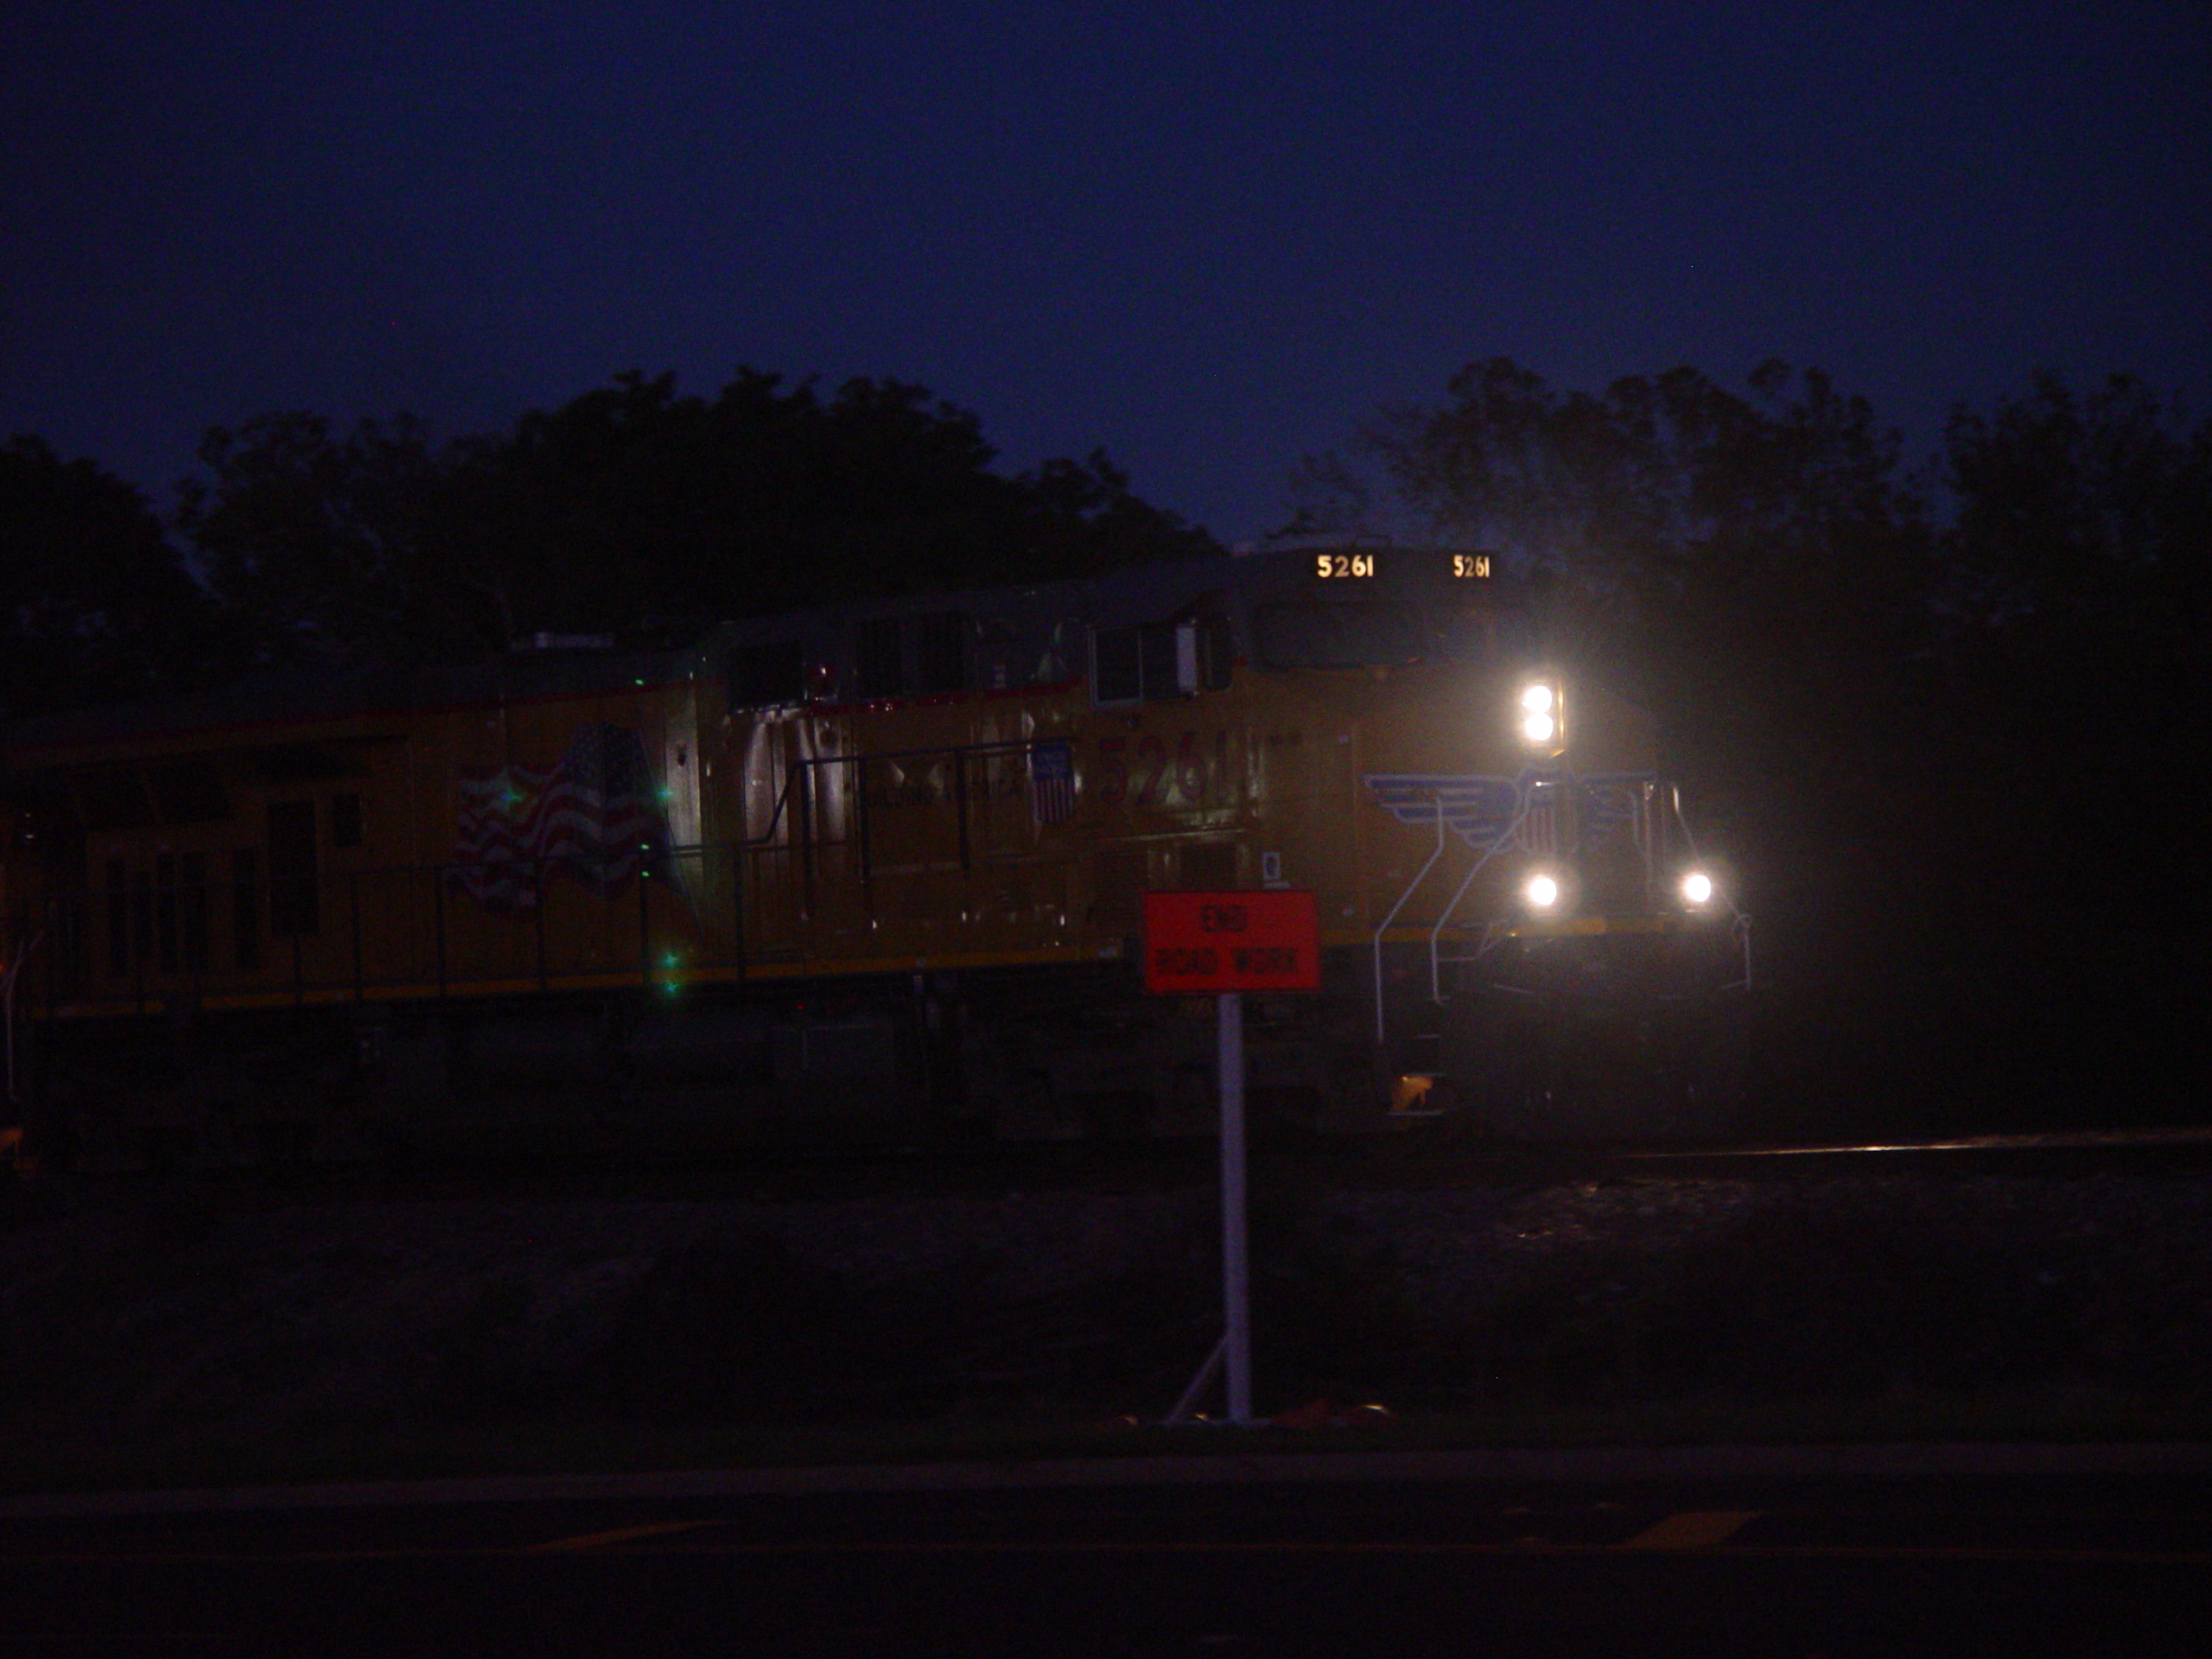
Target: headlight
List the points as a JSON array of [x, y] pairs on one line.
[[1697, 887], [1540, 714], [1542, 892]]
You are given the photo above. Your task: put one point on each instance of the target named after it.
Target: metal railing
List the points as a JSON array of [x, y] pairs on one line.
[[652, 916]]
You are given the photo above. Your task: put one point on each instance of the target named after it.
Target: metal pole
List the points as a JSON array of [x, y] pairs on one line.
[[1206, 1374], [1236, 1278]]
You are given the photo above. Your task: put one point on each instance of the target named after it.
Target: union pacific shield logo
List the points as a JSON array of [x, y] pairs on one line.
[[1491, 812], [1483, 809]]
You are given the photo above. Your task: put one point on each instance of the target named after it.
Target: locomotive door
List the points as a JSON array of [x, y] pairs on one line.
[[912, 838], [827, 813], [766, 755], [1021, 791]]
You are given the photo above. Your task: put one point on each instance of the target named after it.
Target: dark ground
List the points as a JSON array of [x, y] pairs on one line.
[[234, 1328], [1829, 1566]]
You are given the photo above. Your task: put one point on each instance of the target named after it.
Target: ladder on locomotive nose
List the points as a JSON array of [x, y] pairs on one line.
[[1646, 812], [1436, 957]]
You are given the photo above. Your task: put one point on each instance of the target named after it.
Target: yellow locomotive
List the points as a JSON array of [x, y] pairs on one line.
[[872, 870]]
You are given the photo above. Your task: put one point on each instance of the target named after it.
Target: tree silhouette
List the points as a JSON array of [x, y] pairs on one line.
[[1753, 565], [2073, 713], [94, 602], [325, 547], [639, 511], [1948, 722]]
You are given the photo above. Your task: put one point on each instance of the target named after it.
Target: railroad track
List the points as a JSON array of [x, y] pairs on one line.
[[997, 1170], [2053, 1153]]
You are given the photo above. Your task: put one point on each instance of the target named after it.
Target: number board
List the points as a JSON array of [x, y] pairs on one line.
[[1469, 567], [1344, 567], [1198, 943]]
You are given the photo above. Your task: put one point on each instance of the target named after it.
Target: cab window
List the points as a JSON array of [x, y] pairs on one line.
[[1158, 660], [1481, 634]]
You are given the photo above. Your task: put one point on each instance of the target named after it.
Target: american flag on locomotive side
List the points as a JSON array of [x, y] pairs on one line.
[[1051, 781], [596, 818]]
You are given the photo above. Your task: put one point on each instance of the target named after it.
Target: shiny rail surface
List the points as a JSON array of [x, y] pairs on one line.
[[996, 1169]]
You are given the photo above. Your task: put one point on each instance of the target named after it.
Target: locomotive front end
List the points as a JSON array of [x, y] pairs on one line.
[[1533, 941]]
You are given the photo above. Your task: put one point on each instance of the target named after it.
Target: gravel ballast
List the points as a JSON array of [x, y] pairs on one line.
[[155, 1315]]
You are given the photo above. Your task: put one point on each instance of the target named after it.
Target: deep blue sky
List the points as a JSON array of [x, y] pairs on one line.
[[1206, 237]]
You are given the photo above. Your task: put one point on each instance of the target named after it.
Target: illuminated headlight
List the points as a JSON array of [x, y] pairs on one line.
[[1697, 887], [1540, 714], [1542, 892]]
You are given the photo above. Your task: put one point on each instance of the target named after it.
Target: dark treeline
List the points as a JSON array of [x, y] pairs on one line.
[[95, 603], [633, 510], [1944, 720]]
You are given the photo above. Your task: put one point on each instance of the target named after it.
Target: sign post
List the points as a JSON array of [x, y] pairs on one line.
[[1228, 944], [1236, 1274]]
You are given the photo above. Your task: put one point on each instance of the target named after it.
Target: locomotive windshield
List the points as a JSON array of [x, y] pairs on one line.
[[1321, 634], [1481, 634]]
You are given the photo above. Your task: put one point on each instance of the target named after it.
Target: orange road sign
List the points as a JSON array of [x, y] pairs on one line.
[[1196, 943]]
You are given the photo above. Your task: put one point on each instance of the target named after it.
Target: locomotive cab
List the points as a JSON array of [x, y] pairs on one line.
[[1513, 895]]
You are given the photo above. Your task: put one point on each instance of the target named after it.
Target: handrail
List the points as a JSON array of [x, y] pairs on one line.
[[1436, 933], [1740, 920], [14, 968], [957, 753], [344, 949], [1384, 926]]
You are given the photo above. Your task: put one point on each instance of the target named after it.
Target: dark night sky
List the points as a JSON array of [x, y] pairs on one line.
[[1207, 236]]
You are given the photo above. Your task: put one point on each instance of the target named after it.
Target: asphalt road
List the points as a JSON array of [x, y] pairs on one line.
[[1952, 1565]]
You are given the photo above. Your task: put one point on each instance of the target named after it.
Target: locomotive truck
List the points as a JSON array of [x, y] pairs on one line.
[[871, 871]]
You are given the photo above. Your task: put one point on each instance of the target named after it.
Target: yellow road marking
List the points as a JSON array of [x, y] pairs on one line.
[[1692, 1529], [619, 1535]]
